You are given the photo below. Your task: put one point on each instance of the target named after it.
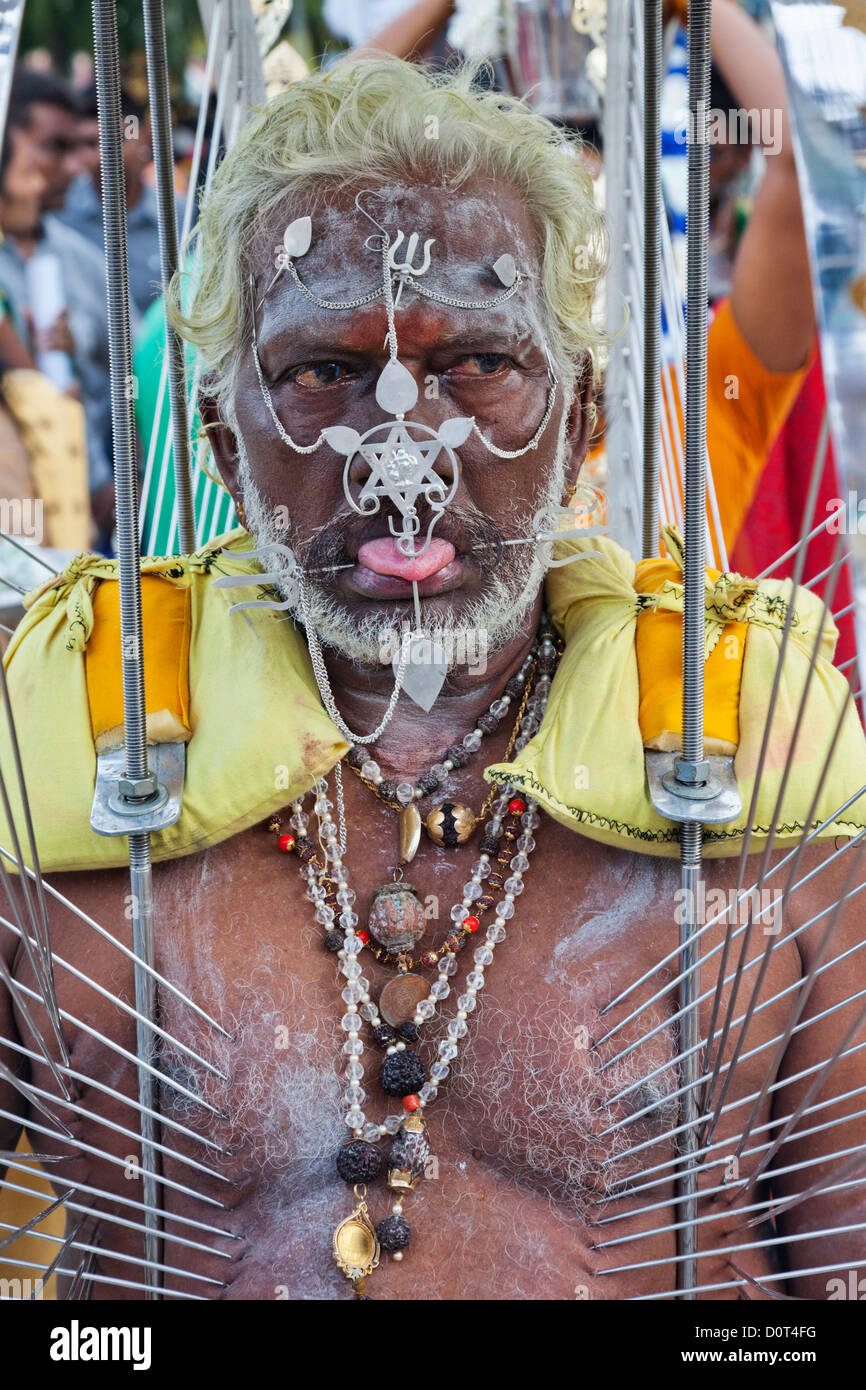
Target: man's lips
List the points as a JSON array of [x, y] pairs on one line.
[[382, 571]]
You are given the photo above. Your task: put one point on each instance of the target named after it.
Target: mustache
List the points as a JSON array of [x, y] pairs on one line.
[[337, 541]]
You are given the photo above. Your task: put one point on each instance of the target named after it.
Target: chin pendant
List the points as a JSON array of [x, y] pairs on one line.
[[356, 1247], [408, 1154], [396, 918], [450, 824]]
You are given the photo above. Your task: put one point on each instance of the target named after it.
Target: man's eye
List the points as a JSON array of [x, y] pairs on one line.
[[320, 374], [482, 364]]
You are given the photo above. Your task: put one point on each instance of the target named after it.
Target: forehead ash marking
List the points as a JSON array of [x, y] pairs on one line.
[[470, 232]]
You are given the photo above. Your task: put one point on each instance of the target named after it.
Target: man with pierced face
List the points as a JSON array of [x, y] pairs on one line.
[[440, 931]]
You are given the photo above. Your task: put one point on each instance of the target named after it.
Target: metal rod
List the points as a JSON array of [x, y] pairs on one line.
[[694, 569], [108, 1157], [20, 1166], [26, 550], [103, 1279], [163, 159], [651, 288], [68, 1200], [166, 1121], [107, 75], [113, 941]]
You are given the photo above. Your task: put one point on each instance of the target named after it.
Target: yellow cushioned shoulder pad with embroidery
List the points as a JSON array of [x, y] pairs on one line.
[[659, 648], [165, 623], [586, 764]]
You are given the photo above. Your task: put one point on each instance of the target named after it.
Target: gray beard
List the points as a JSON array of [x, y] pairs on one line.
[[499, 613]]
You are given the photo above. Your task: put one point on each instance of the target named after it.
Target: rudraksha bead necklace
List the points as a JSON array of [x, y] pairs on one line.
[[357, 1244], [449, 823]]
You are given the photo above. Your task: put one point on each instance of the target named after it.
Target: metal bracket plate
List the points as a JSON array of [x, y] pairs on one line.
[[168, 762], [725, 806]]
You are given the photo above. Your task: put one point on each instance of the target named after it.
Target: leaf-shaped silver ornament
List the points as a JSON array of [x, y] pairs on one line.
[[396, 389], [456, 430], [297, 236], [505, 270], [342, 439]]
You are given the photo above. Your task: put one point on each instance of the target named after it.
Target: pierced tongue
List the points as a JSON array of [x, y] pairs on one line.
[[383, 557]]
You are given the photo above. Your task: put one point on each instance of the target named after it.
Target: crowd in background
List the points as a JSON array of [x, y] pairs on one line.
[[53, 291]]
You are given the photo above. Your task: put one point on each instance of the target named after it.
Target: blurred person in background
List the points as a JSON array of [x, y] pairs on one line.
[[83, 204], [42, 433], [42, 132]]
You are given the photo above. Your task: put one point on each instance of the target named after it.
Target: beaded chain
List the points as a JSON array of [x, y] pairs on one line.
[[506, 849]]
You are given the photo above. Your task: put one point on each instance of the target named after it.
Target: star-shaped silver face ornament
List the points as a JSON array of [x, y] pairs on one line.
[[402, 458]]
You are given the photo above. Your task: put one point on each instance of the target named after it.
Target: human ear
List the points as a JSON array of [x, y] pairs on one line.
[[223, 443], [581, 419]]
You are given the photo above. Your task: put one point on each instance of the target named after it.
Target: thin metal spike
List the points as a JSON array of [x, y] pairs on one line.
[[808, 982], [112, 1218], [780, 795], [77, 1291], [762, 1288], [738, 1187], [755, 1051], [127, 1008], [44, 977], [118, 1162], [10, 585], [812, 1091], [724, 1144], [29, 1093], [736, 1283], [129, 1134], [855, 1162], [846, 559], [720, 916], [664, 1204], [765, 1205], [8, 1157], [14, 1161], [40, 1216], [71, 1242], [817, 472], [763, 1004], [166, 1121], [67, 1243], [736, 1249], [16, 989], [25, 550], [131, 1057], [125, 950], [667, 1022], [41, 929], [109, 1280], [818, 968], [735, 1105]]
